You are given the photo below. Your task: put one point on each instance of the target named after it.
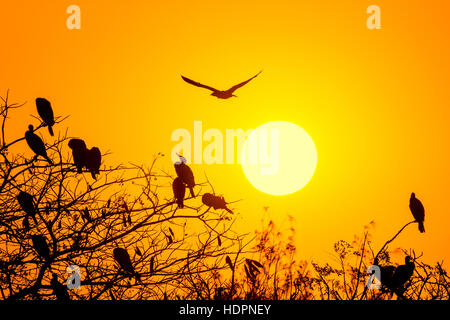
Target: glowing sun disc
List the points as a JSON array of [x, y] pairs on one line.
[[279, 158]]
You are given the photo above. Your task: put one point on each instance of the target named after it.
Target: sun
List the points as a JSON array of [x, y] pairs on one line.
[[279, 158]]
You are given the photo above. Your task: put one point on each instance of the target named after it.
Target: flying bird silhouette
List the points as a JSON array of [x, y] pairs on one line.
[[418, 211], [221, 94], [79, 153], [123, 259], [179, 191], [36, 144], [185, 173], [40, 245], [59, 290], [93, 161], [45, 111], [216, 202]]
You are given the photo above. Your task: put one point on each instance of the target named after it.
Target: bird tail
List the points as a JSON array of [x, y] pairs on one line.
[[192, 192], [93, 174], [50, 130], [49, 160], [180, 203], [421, 227]]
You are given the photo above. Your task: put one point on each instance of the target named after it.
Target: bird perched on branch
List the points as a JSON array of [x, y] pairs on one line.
[[402, 274], [386, 274], [79, 153], [214, 201], [36, 144], [185, 173], [221, 94], [59, 290], [123, 259], [45, 111], [418, 211], [26, 202], [41, 246], [179, 191], [93, 161]]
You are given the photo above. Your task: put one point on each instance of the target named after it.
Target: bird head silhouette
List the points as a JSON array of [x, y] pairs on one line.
[[413, 195], [407, 259], [182, 159], [30, 127]]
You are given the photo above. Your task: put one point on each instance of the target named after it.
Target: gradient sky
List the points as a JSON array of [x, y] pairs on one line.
[[375, 102]]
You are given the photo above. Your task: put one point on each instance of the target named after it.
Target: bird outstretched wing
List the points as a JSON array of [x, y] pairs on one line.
[[234, 88], [197, 84]]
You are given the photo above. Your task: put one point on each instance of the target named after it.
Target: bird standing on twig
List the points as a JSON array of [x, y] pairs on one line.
[[59, 290], [79, 153], [36, 144], [41, 246], [179, 191], [93, 161], [418, 211], [26, 202], [123, 259], [185, 173], [401, 275], [221, 94], [216, 202], [45, 111]]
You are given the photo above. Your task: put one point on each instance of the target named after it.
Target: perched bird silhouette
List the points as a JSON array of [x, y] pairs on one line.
[[93, 161], [79, 153], [40, 245], [59, 290], [402, 274], [216, 202], [26, 202], [386, 274], [45, 110], [123, 259], [417, 211], [185, 173], [179, 191], [36, 144], [226, 94]]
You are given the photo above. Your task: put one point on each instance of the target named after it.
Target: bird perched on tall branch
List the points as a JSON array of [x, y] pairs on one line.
[[401, 275], [418, 211], [36, 144], [185, 173], [221, 94], [45, 111]]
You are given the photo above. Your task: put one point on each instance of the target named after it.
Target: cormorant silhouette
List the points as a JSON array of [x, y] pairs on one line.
[[386, 274], [179, 191], [45, 110], [36, 144], [216, 202], [402, 274], [40, 245], [226, 94], [26, 202], [93, 161], [123, 259], [79, 153], [185, 173], [417, 211], [59, 290]]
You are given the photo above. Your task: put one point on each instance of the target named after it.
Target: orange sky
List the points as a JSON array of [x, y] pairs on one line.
[[374, 101]]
